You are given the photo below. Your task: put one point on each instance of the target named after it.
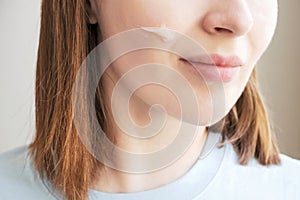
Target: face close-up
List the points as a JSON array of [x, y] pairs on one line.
[[154, 99], [233, 33]]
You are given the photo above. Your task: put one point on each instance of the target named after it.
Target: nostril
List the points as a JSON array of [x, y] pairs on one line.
[[222, 30]]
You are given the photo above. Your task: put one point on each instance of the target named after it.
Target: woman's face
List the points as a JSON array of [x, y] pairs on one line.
[[233, 33]]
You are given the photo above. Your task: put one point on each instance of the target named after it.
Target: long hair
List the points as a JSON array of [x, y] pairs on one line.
[[66, 38]]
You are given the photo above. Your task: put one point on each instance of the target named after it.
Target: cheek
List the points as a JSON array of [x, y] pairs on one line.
[[136, 13], [265, 20]]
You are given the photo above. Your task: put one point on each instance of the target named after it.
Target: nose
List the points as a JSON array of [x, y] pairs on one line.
[[231, 17]]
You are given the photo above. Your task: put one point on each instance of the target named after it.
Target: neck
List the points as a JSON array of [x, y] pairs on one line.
[[126, 181], [115, 181]]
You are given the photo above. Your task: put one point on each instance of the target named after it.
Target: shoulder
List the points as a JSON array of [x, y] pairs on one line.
[[12, 164], [289, 162], [287, 165], [17, 177], [277, 181], [290, 170]]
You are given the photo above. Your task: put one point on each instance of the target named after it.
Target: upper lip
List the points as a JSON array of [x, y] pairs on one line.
[[215, 60]]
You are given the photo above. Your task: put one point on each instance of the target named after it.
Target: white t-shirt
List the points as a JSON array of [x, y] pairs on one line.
[[215, 175]]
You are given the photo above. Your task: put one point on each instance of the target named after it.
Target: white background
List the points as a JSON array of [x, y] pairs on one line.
[[279, 74], [19, 27]]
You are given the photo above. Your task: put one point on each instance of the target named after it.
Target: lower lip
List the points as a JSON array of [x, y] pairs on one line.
[[214, 73]]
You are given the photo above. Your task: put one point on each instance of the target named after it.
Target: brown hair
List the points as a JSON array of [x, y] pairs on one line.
[[58, 154]]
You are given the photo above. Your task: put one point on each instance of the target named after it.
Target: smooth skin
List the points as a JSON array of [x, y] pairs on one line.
[[242, 28]]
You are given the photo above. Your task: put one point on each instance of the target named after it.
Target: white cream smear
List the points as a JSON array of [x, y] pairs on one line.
[[165, 34]]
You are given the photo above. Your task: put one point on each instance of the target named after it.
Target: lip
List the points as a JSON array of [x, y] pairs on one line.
[[214, 67], [216, 60]]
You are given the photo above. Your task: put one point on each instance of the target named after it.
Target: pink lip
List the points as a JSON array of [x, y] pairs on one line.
[[216, 60], [215, 67]]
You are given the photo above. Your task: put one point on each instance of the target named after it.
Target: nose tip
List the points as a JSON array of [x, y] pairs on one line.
[[233, 20]]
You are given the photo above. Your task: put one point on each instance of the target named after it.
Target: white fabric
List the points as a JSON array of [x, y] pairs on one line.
[[216, 175]]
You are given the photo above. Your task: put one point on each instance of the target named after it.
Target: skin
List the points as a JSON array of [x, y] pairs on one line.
[[243, 28]]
